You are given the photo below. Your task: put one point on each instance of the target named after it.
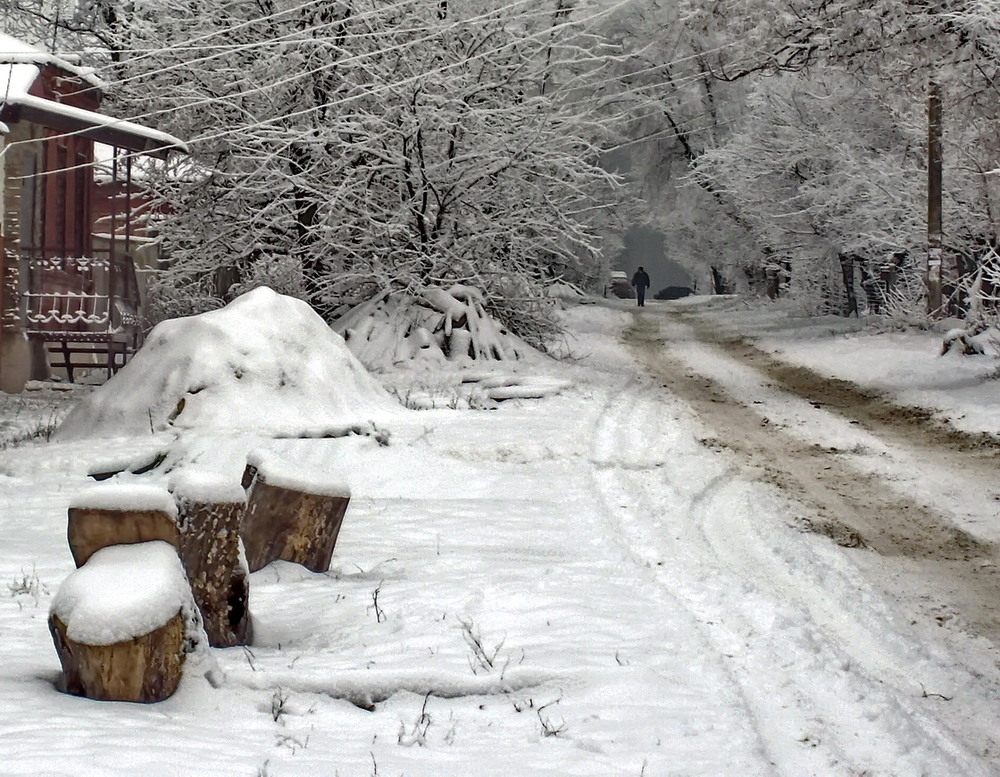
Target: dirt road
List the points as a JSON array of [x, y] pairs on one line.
[[850, 495]]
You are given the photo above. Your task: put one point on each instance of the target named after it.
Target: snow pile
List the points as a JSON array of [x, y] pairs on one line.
[[122, 592], [565, 292], [437, 326], [265, 363], [966, 342]]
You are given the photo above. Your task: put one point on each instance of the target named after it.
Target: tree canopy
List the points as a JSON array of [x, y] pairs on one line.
[[347, 151]]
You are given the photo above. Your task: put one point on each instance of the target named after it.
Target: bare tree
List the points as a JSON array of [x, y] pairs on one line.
[[347, 149]]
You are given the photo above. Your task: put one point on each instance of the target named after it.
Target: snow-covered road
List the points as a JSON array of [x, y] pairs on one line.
[[850, 676], [593, 583]]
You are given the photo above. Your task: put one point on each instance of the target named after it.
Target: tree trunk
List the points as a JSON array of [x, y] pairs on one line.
[[772, 283], [873, 288], [935, 235], [209, 550], [851, 298], [289, 524], [143, 669], [719, 285], [91, 529]]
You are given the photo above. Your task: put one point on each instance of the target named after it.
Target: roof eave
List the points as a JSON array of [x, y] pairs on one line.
[[119, 134]]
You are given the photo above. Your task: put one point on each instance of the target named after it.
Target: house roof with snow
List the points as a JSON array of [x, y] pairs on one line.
[[18, 53], [20, 67]]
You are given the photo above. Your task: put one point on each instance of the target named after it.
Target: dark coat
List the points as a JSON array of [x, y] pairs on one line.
[[640, 279]]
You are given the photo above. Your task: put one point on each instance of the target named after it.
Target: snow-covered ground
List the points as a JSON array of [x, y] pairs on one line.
[[566, 585]]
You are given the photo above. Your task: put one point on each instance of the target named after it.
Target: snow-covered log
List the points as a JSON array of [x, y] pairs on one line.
[[210, 511], [291, 515], [437, 325], [121, 624], [115, 514], [963, 342]]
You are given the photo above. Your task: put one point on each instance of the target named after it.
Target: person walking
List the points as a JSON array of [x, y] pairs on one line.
[[641, 282]]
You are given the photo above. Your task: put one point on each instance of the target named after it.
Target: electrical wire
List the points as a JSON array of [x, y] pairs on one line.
[[350, 60], [385, 87], [294, 36], [296, 76]]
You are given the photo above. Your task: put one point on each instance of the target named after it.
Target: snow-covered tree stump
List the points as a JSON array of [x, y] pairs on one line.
[[121, 623], [117, 514], [210, 509], [291, 516]]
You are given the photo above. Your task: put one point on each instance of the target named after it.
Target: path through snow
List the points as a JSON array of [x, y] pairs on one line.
[[842, 626]]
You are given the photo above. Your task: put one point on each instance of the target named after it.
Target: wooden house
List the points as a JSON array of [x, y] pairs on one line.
[[68, 290]]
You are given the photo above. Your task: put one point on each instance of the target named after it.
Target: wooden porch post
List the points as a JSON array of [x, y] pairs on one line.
[[15, 353]]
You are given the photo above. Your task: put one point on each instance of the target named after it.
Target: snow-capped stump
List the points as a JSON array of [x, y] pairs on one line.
[[121, 624], [210, 510], [120, 514], [291, 515]]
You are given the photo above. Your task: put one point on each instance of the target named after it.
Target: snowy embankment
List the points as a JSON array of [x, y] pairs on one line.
[[571, 585]]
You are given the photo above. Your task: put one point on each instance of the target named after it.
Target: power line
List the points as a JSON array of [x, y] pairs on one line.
[[291, 37], [340, 101], [296, 76], [371, 92]]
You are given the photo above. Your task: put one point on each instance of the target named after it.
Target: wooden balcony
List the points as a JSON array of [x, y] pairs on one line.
[[83, 310]]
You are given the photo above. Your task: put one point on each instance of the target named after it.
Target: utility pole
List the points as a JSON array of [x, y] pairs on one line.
[[934, 228]]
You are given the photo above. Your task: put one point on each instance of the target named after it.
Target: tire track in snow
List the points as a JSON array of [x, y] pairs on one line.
[[872, 670], [686, 573], [607, 463], [943, 563], [753, 623]]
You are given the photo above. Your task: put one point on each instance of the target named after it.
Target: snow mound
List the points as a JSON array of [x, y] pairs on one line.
[[565, 292], [967, 342], [438, 326], [122, 592], [265, 362]]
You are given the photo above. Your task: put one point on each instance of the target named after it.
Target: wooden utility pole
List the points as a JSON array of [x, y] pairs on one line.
[[934, 228]]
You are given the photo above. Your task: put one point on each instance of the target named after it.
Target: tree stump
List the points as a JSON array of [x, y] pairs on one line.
[[117, 514], [210, 510], [291, 515], [120, 624]]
